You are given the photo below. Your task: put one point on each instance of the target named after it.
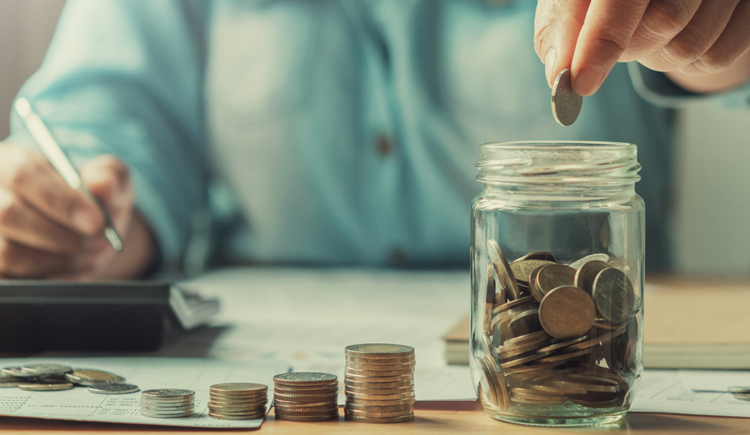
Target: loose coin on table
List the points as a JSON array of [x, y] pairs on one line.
[[113, 388]]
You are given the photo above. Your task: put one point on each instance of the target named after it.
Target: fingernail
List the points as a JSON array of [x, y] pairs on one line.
[[549, 65], [588, 80], [85, 220]]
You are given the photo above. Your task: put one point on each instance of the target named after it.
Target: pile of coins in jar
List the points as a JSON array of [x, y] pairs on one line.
[[556, 333], [379, 383]]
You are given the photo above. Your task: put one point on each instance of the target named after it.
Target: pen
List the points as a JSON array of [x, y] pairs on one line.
[[59, 160]]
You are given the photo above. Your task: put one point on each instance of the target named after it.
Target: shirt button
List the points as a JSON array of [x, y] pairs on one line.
[[383, 144]]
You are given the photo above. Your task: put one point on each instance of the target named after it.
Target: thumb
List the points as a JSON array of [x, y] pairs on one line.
[[557, 25]]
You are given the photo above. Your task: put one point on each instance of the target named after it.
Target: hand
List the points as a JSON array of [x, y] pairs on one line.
[[693, 37], [48, 229]]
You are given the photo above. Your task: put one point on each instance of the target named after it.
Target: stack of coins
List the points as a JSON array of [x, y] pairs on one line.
[[167, 403], [305, 396], [379, 383], [238, 401], [556, 333], [740, 393]]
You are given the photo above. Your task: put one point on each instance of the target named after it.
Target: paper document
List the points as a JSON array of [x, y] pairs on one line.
[[714, 380], [148, 373], [664, 391]]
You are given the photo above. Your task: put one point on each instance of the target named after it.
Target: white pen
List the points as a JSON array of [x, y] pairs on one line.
[[59, 160]]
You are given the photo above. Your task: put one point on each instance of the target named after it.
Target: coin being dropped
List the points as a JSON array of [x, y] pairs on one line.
[[112, 388], [566, 103]]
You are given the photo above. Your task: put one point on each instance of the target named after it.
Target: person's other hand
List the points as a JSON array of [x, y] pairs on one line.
[[693, 37], [48, 229]]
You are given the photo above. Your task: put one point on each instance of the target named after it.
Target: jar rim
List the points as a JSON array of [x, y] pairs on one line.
[[559, 144]]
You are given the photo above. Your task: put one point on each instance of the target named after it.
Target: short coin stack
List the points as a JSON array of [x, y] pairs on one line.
[[379, 383], [238, 401], [167, 403], [303, 396], [740, 393]]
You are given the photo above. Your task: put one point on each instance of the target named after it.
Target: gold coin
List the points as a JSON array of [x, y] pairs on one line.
[[381, 367], [380, 385], [303, 399], [46, 387], [357, 413], [332, 389], [308, 419], [533, 368], [551, 400], [380, 396], [562, 391], [381, 361], [239, 388], [538, 255], [405, 372], [89, 377], [586, 274], [498, 380], [597, 339], [350, 389], [502, 268], [522, 269], [553, 276], [490, 298], [372, 378], [409, 408], [375, 350], [300, 414], [613, 294], [522, 360], [297, 408], [566, 312], [564, 356], [219, 416], [561, 344], [380, 420], [389, 402]]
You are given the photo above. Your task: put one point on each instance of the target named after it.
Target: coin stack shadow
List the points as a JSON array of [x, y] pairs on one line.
[[167, 403], [555, 333], [305, 396], [379, 383], [238, 401]]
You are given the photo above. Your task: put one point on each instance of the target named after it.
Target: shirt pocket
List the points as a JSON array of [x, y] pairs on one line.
[[492, 73], [259, 51]]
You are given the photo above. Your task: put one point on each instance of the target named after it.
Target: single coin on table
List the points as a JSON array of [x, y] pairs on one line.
[[566, 103], [91, 377], [567, 312], [16, 372], [745, 390], [113, 388], [46, 387], [46, 369]]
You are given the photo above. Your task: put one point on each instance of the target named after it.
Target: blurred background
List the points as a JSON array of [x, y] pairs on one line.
[[712, 208]]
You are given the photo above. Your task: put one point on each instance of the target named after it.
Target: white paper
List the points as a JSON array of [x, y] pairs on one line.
[[148, 373], [664, 391], [714, 380]]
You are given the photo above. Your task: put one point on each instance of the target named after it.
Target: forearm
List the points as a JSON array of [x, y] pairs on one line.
[[734, 76]]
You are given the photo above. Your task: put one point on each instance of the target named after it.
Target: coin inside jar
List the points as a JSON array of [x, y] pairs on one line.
[[613, 294], [567, 312], [550, 277], [586, 274], [502, 268]]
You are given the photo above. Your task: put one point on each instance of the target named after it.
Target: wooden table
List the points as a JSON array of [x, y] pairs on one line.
[[430, 418]]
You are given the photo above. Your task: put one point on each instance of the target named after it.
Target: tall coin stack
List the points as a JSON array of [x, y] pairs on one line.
[[238, 401], [379, 383], [303, 396], [167, 403]]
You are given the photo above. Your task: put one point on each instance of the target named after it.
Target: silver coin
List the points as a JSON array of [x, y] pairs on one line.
[[168, 393], [10, 384], [745, 390], [742, 396], [16, 372], [305, 377], [600, 257], [113, 388], [613, 295], [46, 387], [566, 104], [46, 369]]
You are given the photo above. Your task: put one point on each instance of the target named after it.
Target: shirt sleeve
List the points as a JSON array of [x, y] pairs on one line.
[[656, 88], [125, 77]]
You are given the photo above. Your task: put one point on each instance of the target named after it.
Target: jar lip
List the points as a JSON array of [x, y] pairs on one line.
[[559, 144]]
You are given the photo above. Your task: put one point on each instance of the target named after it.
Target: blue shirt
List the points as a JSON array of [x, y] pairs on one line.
[[346, 130]]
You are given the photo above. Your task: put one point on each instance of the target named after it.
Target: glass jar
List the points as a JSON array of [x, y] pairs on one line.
[[557, 265]]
